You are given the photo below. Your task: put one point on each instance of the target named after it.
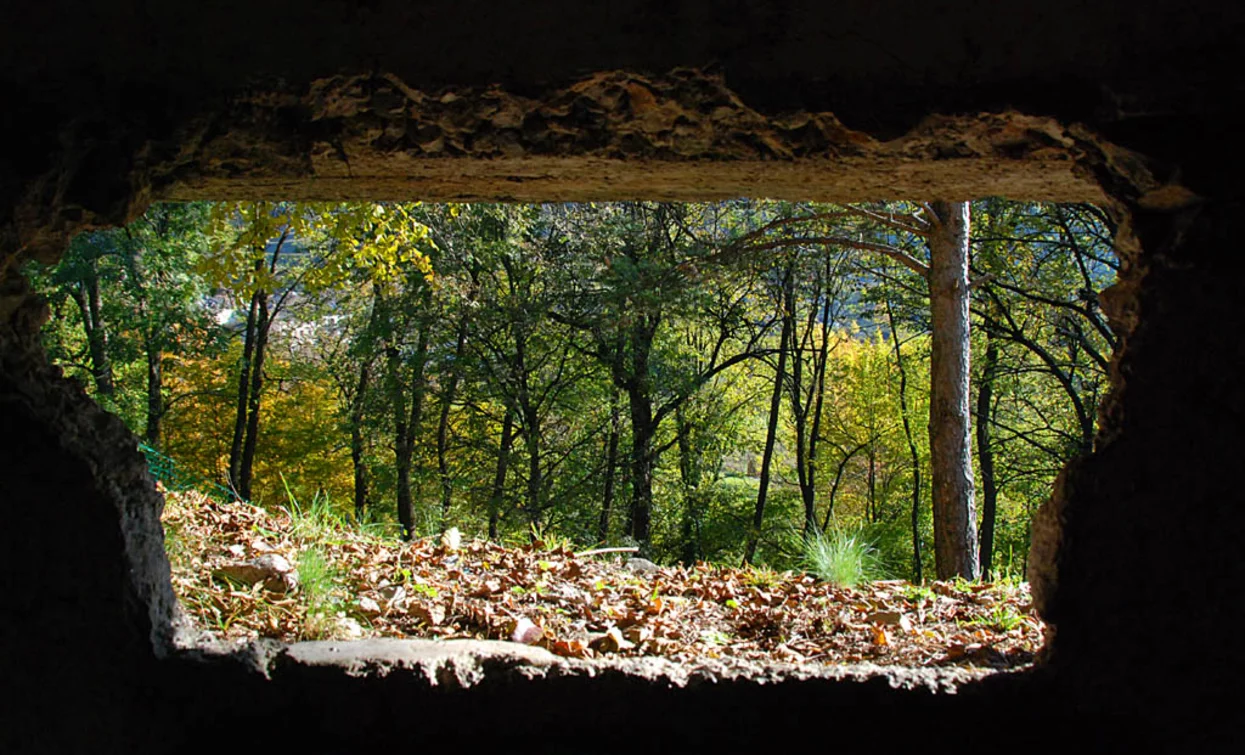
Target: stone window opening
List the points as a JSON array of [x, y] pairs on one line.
[[1007, 154], [281, 570]]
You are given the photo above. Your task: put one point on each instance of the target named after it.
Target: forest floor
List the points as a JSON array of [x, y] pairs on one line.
[[243, 572]]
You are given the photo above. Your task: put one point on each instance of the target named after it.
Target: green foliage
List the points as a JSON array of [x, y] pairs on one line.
[[567, 314], [842, 556]]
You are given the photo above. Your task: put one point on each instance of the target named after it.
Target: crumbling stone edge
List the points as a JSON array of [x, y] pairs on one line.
[[466, 663]]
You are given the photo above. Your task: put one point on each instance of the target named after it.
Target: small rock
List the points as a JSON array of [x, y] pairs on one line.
[[272, 570], [641, 565], [346, 627], [526, 632]]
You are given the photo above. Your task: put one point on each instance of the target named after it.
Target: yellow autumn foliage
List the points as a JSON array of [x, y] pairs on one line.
[[300, 438]]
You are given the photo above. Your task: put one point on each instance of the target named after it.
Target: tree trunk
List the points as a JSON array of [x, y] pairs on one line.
[[955, 532], [443, 423], [406, 424], [611, 466], [499, 476], [155, 393], [642, 432], [771, 430], [419, 387], [535, 481], [87, 297], [247, 463], [985, 458], [800, 408], [916, 459], [356, 441], [823, 362], [689, 475], [243, 394], [643, 428]]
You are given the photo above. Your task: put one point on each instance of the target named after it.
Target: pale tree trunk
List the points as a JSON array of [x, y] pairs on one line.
[[955, 521]]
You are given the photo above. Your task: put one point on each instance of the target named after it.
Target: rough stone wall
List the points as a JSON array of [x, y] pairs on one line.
[[109, 106]]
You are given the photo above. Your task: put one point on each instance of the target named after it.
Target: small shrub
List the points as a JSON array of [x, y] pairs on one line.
[[843, 557]]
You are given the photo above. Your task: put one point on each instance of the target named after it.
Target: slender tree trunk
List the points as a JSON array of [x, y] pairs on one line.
[[871, 505], [406, 423], [248, 350], [642, 432], [916, 460], [955, 531], [771, 432], [535, 481], [155, 393], [823, 361], [689, 475], [443, 423], [985, 457], [356, 441], [643, 429], [401, 436], [99, 338], [247, 463], [800, 408], [611, 467], [499, 475], [243, 395], [419, 388], [87, 297]]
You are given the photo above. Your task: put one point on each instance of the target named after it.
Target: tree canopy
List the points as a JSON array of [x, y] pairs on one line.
[[714, 381]]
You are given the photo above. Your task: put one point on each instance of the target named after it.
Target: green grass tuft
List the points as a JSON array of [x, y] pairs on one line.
[[843, 557], [317, 583]]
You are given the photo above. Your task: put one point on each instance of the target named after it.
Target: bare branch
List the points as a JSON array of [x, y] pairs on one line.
[[912, 263], [891, 222]]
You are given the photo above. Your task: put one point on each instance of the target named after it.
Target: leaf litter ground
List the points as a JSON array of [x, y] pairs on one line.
[[344, 584]]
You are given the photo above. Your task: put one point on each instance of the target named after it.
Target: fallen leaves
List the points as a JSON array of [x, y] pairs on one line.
[[578, 606]]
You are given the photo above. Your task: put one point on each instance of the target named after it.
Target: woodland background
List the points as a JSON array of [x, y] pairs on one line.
[[606, 374]]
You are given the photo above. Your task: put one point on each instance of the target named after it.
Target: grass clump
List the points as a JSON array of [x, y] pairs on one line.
[[841, 556], [317, 582], [1001, 618]]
